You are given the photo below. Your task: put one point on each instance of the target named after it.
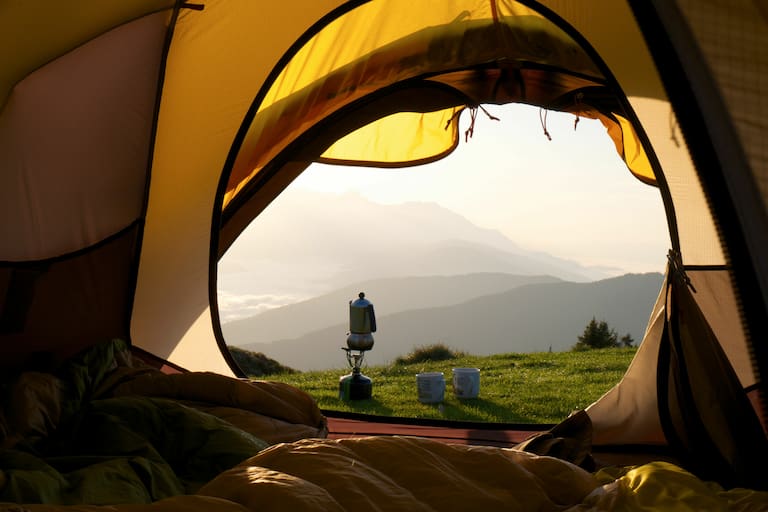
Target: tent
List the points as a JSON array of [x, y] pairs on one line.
[[139, 138]]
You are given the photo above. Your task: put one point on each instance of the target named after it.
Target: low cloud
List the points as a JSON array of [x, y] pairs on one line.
[[236, 306]]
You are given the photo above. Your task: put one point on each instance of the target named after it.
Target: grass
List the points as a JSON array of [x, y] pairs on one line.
[[540, 387]]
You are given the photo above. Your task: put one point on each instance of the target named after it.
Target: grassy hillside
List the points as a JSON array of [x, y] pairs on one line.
[[515, 388]]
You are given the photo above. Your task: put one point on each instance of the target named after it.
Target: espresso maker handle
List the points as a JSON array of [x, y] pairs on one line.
[[372, 316]]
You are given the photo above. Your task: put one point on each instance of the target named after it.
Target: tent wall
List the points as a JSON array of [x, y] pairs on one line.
[[733, 41], [51, 309], [734, 50], [68, 182], [75, 132], [714, 64], [628, 413], [715, 296]]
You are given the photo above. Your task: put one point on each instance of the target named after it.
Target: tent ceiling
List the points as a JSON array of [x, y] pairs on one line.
[[35, 39]]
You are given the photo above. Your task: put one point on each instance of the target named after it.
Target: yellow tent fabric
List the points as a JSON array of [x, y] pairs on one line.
[[507, 44]]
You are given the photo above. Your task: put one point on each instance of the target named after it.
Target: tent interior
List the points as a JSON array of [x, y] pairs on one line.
[[138, 141]]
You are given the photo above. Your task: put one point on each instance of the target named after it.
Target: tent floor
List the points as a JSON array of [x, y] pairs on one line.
[[350, 425], [346, 427]]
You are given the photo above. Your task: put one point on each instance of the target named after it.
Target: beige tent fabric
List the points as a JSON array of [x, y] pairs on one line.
[[74, 143], [709, 421], [699, 241], [628, 413], [714, 295], [735, 45]]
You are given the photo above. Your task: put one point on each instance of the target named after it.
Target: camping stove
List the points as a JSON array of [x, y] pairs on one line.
[[362, 322]]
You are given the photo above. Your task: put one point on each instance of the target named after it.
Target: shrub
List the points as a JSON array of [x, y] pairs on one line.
[[627, 341], [597, 335], [434, 352], [256, 364]]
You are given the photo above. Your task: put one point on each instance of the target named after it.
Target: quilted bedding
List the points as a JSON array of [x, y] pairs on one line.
[[103, 429], [104, 435], [414, 474]]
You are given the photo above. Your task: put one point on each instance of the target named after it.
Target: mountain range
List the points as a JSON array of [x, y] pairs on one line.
[[307, 244], [390, 296], [481, 314]]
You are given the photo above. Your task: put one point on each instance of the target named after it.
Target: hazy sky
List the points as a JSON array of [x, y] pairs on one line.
[[572, 196]]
